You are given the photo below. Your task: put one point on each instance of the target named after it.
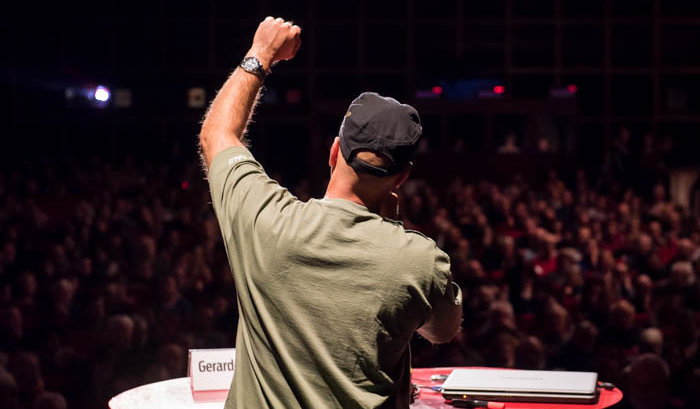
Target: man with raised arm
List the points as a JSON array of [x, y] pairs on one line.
[[330, 292]]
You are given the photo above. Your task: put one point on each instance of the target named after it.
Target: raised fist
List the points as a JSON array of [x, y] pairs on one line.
[[275, 40]]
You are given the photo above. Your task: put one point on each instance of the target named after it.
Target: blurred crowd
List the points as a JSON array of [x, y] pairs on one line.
[[571, 277], [111, 270], [109, 273]]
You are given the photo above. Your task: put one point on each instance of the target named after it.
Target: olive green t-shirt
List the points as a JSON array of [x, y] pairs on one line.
[[329, 294]]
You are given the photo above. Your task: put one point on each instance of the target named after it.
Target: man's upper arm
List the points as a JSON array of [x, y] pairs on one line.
[[445, 299], [241, 190]]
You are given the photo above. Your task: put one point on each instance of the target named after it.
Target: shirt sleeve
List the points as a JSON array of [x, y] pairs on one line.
[[446, 294], [242, 193], [445, 298]]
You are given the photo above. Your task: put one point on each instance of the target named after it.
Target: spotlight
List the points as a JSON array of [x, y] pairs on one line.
[[497, 91], [568, 91], [433, 92], [102, 93]]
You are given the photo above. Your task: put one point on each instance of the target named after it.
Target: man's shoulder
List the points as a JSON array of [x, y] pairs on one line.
[[419, 235], [418, 239], [414, 248]]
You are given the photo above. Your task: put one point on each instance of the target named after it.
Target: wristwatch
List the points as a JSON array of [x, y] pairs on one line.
[[253, 66]]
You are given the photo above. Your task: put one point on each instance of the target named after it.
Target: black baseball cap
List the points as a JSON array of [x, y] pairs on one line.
[[381, 125]]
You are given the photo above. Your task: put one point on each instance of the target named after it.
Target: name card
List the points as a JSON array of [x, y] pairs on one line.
[[211, 372]]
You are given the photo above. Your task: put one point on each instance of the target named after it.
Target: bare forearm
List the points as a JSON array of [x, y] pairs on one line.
[[225, 123]]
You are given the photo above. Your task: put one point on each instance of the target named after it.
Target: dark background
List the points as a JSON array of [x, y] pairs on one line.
[[634, 62], [111, 262]]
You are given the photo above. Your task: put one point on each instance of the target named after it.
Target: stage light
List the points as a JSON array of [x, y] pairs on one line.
[[102, 93], [567, 92], [499, 89], [433, 92]]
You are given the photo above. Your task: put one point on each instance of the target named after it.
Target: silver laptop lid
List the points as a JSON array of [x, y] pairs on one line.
[[516, 380]]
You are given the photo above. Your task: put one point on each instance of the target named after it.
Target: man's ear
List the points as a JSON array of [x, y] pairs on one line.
[[333, 156], [403, 176]]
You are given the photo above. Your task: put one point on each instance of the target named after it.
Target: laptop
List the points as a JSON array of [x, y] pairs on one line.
[[515, 385]]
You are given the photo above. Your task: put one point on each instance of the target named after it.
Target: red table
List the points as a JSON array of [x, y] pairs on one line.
[[175, 394], [430, 399]]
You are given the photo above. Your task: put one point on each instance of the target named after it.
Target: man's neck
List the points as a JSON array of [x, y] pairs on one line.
[[338, 189]]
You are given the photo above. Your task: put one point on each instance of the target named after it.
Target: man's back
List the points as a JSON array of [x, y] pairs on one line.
[[329, 294]]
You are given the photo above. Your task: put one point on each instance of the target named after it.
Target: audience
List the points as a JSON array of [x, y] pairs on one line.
[[110, 272]]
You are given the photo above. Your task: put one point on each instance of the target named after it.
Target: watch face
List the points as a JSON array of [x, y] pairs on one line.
[[251, 64]]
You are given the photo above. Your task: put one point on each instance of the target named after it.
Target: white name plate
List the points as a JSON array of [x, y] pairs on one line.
[[211, 372]]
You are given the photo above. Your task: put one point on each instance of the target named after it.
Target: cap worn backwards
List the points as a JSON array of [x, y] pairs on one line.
[[381, 125]]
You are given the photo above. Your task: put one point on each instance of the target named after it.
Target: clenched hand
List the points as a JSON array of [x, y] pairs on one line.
[[275, 40]]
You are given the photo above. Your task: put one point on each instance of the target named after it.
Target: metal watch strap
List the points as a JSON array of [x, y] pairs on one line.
[[253, 66]]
